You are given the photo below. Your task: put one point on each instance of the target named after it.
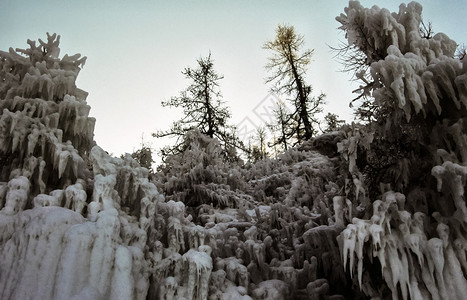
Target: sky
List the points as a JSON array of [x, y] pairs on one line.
[[136, 51]]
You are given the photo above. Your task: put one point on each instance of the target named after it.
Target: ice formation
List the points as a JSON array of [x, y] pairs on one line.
[[265, 239], [67, 231], [416, 239], [77, 223], [80, 224]]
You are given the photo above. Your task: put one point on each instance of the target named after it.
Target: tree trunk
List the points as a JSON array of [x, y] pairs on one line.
[[209, 112], [283, 128], [302, 97]]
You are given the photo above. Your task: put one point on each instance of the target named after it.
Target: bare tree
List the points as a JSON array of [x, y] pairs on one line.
[[289, 65], [426, 30], [261, 136], [281, 126], [257, 151], [203, 108], [332, 122]]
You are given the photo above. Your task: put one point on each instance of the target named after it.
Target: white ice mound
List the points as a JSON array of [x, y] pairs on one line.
[[54, 253], [74, 221]]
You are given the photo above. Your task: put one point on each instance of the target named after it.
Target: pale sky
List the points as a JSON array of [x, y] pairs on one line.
[[137, 49]]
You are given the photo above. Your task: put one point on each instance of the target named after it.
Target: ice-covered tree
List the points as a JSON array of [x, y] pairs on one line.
[[203, 108], [289, 64], [200, 174], [74, 222], [44, 122], [406, 174]]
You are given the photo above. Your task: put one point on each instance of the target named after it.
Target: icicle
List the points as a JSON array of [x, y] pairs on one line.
[[122, 282], [436, 259], [460, 246], [200, 267], [175, 234], [103, 191], [362, 237], [375, 231], [350, 239], [75, 197], [167, 288]]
